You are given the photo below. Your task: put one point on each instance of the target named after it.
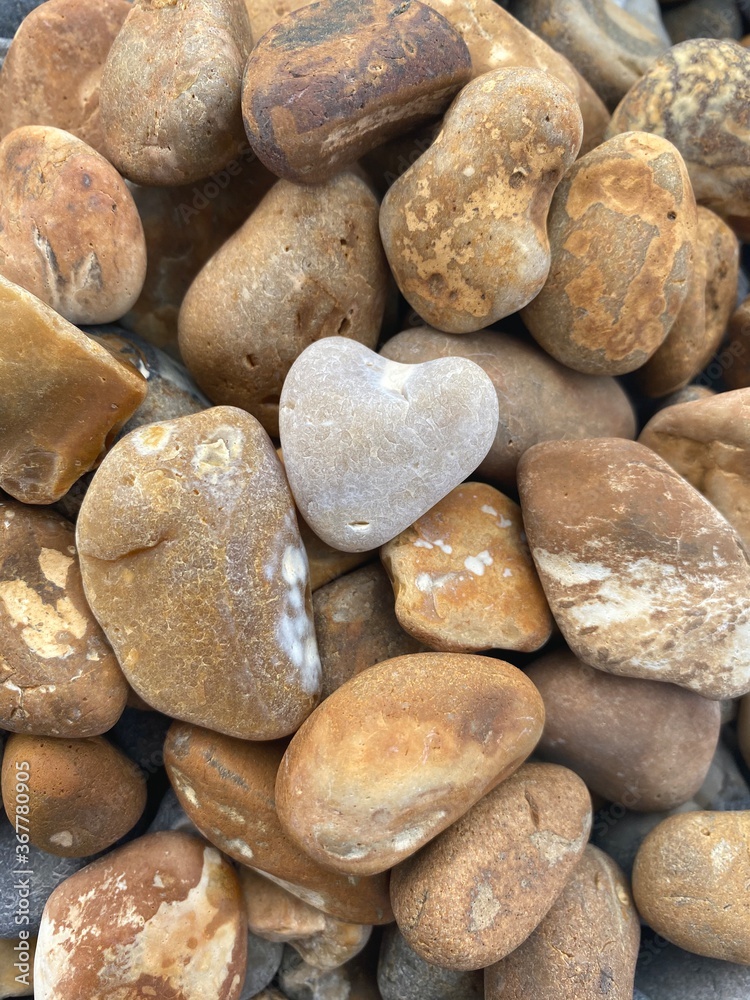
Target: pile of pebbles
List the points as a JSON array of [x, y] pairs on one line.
[[375, 511]]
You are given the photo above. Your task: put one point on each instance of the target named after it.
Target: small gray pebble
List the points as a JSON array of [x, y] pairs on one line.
[[673, 974], [301, 981], [263, 961], [403, 975]]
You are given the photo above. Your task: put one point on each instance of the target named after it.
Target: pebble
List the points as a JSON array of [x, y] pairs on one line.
[[396, 438], [650, 14], [356, 626], [530, 385], [263, 961], [703, 19], [737, 375], [15, 981], [171, 816], [62, 399], [302, 981], [725, 786], [403, 975], [164, 912], [674, 974], [688, 394], [83, 794], [173, 71], [70, 232], [464, 228], [195, 515], [264, 14], [642, 743], [280, 284], [690, 883], [439, 762], [58, 675], [619, 832], [326, 563], [622, 230], [333, 80], [707, 443], [52, 71], [463, 577], [608, 523], [226, 787], [475, 893]]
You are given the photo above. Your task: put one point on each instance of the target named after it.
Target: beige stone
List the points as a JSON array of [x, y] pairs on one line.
[[264, 14]]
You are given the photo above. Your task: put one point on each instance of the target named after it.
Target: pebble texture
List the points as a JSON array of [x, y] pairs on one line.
[[643, 575], [464, 228], [737, 375], [403, 975], [674, 974], [195, 515], [396, 438]]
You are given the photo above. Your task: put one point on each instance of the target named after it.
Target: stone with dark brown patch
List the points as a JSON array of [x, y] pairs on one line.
[[162, 916], [622, 228], [226, 787], [333, 80]]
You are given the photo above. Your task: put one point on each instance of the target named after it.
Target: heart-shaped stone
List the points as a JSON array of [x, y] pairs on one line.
[[371, 444]]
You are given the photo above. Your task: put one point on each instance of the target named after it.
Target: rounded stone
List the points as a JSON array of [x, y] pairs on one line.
[[370, 445], [263, 961], [451, 726], [737, 373], [403, 975], [264, 14]]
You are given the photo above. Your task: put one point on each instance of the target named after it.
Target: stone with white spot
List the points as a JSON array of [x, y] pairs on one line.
[[643, 575], [463, 576], [192, 562], [401, 751], [116, 929], [477, 891], [690, 882], [371, 444]]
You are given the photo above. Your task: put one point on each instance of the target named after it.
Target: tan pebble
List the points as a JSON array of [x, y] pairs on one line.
[[463, 576], [690, 882], [477, 891], [226, 786], [326, 563], [264, 14], [737, 368], [464, 229], [640, 743], [585, 948], [163, 913], [400, 752], [17, 980]]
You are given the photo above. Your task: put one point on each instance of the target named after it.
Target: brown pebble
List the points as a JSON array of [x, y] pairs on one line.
[[264, 14], [326, 563], [737, 368]]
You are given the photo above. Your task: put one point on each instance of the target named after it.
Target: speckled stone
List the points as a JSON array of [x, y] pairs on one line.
[[674, 974], [403, 975]]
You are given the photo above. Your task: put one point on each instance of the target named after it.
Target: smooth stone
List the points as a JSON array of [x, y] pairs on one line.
[[333, 80], [463, 576], [226, 787], [642, 743], [475, 893], [264, 14], [263, 961], [674, 974], [703, 19], [302, 981], [217, 542], [58, 674], [396, 438], [620, 833], [464, 229], [643, 575], [451, 726], [356, 626], [403, 975], [15, 980], [585, 948], [530, 386], [623, 219], [63, 398], [737, 374], [83, 794], [170, 90], [690, 883], [279, 285], [326, 563], [163, 912], [650, 14], [52, 70], [688, 394]]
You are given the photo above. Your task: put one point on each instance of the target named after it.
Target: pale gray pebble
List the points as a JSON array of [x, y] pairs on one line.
[[724, 787], [669, 973], [404, 975], [649, 13], [263, 961], [301, 981], [171, 816], [703, 19]]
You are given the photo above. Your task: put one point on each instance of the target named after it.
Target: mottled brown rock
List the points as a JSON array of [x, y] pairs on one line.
[[451, 726], [84, 794], [585, 948], [333, 80], [708, 443], [737, 373], [464, 229], [193, 518], [278, 285], [697, 95], [641, 743], [622, 230], [226, 787], [58, 675], [477, 891], [539, 398], [608, 46], [69, 230], [63, 398], [327, 563], [163, 913], [690, 882], [52, 70], [463, 576], [13, 980], [643, 575], [356, 626]]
